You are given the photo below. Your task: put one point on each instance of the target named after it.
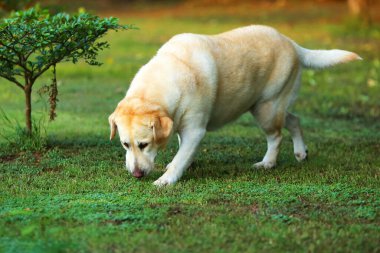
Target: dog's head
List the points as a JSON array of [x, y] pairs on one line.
[[143, 129]]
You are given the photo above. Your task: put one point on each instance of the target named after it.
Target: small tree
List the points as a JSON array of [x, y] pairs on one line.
[[33, 41]]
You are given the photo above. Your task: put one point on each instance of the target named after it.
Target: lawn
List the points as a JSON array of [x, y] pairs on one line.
[[74, 195]]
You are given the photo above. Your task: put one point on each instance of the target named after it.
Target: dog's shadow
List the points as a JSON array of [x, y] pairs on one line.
[[231, 166], [229, 158]]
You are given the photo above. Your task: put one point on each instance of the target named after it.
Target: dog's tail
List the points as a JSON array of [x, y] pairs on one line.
[[318, 59]]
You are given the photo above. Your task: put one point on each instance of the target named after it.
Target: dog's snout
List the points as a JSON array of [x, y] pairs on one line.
[[138, 173]]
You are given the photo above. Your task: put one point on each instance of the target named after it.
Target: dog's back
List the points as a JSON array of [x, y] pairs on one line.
[[235, 68]]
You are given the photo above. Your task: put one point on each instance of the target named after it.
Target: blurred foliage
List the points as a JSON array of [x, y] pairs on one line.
[[11, 5], [7, 6]]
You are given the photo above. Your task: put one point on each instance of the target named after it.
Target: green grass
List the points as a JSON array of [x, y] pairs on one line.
[[76, 196]]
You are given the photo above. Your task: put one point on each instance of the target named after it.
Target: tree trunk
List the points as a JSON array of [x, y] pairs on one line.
[[28, 108]]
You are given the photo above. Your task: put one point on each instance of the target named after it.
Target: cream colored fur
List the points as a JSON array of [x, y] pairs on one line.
[[197, 83]]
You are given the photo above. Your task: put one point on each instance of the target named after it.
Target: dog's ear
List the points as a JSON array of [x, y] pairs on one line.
[[162, 129], [113, 127]]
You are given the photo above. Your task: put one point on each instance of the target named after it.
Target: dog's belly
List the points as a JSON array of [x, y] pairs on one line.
[[215, 124], [230, 106]]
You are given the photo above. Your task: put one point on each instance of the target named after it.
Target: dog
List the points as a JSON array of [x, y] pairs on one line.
[[197, 83]]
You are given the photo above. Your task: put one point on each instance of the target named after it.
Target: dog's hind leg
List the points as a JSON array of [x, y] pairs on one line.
[[271, 116], [271, 120], [292, 124]]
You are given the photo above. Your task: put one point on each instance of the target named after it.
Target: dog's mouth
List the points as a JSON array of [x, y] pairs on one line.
[[137, 173], [140, 171]]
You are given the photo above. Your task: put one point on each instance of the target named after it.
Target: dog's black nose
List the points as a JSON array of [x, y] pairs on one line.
[[138, 173]]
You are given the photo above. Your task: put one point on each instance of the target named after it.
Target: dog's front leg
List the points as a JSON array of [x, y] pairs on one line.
[[190, 140]]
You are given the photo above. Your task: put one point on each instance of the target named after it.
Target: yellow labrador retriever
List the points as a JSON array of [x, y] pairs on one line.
[[197, 83]]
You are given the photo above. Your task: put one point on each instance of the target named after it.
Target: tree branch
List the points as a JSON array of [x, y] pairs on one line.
[[46, 68], [19, 63], [55, 61], [13, 39], [13, 81], [9, 61]]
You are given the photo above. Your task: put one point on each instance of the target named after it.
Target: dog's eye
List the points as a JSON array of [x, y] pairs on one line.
[[142, 145], [126, 144]]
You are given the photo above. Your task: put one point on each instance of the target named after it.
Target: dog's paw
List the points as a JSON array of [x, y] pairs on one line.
[[301, 156], [301, 152], [265, 165], [164, 180]]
